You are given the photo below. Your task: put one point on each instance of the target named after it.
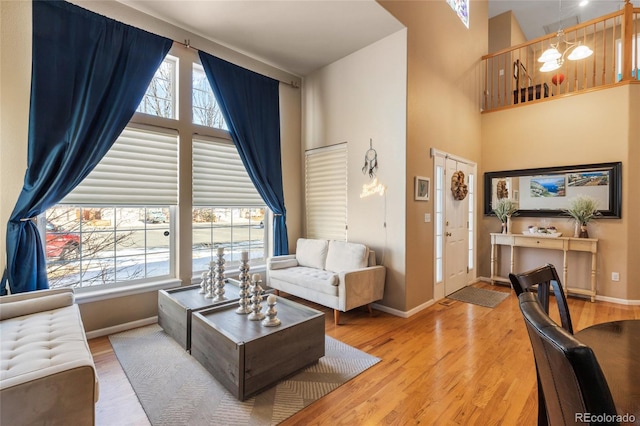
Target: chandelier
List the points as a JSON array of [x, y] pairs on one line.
[[552, 59]]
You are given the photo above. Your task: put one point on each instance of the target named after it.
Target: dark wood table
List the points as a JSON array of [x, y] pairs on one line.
[[176, 306], [247, 357], [617, 347]]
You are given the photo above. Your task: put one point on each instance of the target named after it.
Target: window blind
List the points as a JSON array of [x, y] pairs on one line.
[[219, 177], [141, 168], [326, 192]]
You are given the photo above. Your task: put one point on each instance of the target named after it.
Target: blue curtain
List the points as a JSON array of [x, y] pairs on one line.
[[89, 74], [251, 107]]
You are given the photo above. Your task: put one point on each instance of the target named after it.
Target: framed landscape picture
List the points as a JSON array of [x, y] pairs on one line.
[[548, 191], [422, 188]]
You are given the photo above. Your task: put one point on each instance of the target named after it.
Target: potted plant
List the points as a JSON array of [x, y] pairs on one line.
[[504, 208], [582, 210]]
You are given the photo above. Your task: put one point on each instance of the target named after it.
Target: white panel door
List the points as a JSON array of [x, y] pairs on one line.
[[456, 240]]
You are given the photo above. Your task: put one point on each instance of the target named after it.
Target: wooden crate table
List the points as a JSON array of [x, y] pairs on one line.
[[247, 357], [176, 306]]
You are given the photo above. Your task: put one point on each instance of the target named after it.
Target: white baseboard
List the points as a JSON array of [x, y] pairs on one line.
[[618, 301], [403, 314], [598, 297], [121, 327]]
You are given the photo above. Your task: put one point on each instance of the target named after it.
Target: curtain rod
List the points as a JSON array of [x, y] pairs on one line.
[[187, 44]]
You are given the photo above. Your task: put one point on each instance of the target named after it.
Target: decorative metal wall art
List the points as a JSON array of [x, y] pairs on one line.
[[370, 161]]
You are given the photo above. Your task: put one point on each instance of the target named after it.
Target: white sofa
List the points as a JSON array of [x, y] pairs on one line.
[[336, 274], [47, 374]]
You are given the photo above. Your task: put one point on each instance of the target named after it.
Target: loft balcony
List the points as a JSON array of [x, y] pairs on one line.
[[513, 77]]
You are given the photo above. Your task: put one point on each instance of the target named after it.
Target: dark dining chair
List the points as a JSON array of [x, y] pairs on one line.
[[571, 378], [541, 279]]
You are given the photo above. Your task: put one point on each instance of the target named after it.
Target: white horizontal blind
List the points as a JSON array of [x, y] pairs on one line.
[[326, 192], [219, 177], [141, 168]]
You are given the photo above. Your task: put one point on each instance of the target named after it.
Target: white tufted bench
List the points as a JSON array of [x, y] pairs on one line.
[[47, 374]]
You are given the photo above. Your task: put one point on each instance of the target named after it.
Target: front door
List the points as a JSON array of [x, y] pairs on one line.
[[456, 230]]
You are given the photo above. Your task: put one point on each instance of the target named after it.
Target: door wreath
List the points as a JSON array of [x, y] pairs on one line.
[[458, 187]]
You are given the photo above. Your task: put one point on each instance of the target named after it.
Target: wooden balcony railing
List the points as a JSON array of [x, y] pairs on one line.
[[513, 76]]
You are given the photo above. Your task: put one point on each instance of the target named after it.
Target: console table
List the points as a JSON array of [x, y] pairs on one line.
[[565, 244]]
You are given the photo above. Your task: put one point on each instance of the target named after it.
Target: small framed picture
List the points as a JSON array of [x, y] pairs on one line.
[[422, 188]]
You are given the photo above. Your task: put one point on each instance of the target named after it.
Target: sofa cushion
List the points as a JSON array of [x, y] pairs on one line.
[[40, 304], [342, 257], [311, 253], [41, 344], [311, 278]]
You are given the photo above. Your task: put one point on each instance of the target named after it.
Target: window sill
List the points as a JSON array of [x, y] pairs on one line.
[[233, 273], [112, 293]]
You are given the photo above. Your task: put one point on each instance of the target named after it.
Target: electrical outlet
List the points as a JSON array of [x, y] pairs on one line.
[[615, 276]]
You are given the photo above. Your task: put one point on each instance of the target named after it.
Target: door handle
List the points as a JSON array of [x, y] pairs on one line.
[[447, 234]]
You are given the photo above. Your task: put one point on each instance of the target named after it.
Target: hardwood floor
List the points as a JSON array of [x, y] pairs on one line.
[[453, 363]]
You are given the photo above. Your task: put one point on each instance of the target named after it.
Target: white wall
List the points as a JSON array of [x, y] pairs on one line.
[[361, 97]]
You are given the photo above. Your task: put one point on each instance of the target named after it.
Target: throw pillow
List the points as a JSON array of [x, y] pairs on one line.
[[311, 253], [346, 256]]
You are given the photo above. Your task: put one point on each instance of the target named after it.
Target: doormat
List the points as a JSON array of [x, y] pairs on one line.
[[479, 296]]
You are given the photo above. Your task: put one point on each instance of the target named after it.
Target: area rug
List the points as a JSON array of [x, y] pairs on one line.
[[174, 389], [479, 296]]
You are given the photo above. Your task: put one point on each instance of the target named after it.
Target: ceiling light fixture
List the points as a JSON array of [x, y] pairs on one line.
[[552, 58]]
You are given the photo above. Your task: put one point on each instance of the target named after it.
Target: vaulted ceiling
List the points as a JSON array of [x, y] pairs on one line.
[[300, 36], [296, 36]]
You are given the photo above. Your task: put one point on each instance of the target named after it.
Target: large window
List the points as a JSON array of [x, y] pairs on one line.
[[119, 227], [439, 223], [205, 107], [160, 98], [472, 222], [90, 246], [228, 212], [234, 229]]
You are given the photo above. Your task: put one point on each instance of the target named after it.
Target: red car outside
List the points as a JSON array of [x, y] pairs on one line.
[[61, 244]]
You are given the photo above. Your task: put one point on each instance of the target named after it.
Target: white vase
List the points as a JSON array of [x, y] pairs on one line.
[[576, 229], [509, 224]]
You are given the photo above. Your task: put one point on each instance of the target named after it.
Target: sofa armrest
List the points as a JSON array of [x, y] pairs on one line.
[[16, 305], [361, 286], [281, 262]]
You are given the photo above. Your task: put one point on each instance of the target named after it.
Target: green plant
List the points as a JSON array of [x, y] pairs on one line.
[[583, 209], [504, 208]]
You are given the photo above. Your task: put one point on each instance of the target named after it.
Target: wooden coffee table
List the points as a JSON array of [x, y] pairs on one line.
[[247, 357], [176, 306]]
